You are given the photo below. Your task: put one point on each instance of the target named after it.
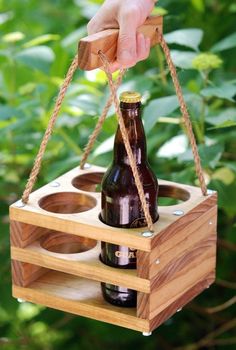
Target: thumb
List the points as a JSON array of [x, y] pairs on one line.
[[127, 45]]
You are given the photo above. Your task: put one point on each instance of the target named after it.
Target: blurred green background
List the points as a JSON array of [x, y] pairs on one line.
[[38, 41]]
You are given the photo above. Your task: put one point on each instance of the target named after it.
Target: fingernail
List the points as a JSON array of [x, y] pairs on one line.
[[126, 57]]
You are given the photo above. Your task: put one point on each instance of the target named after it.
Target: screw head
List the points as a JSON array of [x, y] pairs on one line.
[[20, 300], [157, 261], [178, 212], [210, 191], [20, 204], [147, 234], [147, 334], [55, 184], [87, 166]]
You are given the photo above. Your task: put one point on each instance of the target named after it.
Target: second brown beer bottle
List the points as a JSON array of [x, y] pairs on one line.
[[121, 206]]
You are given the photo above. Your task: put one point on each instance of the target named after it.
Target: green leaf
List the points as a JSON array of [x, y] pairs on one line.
[[7, 112], [186, 37], [183, 59], [42, 39], [210, 155], [173, 147], [198, 5], [37, 57], [226, 124], [160, 107], [226, 91], [74, 37], [161, 11], [225, 44], [105, 146], [225, 175], [226, 196], [13, 37], [227, 115]]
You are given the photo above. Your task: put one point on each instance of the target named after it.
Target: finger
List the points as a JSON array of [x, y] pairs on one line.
[[141, 47], [127, 45], [114, 66]]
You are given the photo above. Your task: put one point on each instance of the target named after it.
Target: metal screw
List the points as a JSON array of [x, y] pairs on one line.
[[147, 234], [87, 166], [55, 184], [157, 261], [20, 204], [210, 191], [178, 212], [20, 300], [147, 334], [178, 310]]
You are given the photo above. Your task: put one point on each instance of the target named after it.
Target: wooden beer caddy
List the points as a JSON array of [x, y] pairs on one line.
[[56, 235]]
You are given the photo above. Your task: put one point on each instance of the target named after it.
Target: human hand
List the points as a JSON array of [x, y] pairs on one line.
[[127, 16]]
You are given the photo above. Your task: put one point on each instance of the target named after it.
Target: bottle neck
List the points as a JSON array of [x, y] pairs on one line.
[[131, 113]]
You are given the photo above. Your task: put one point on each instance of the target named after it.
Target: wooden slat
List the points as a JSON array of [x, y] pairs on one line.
[[204, 283], [23, 234], [78, 296], [168, 292], [172, 246], [23, 273], [85, 264], [87, 223], [106, 41]]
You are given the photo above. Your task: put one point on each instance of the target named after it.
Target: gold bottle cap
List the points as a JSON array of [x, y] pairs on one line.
[[130, 97]]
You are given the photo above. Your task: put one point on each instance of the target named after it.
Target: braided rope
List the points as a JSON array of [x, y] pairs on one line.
[[185, 114], [125, 137], [100, 122], [38, 160]]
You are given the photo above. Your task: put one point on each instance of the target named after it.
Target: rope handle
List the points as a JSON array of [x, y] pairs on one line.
[[113, 97]]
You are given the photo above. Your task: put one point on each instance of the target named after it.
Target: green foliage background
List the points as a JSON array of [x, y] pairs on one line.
[[38, 42]]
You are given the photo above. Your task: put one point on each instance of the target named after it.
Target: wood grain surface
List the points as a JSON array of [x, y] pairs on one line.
[[78, 296], [106, 41], [87, 223]]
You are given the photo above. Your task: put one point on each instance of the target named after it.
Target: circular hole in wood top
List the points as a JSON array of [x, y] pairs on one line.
[[171, 195], [67, 202], [63, 243], [90, 182]]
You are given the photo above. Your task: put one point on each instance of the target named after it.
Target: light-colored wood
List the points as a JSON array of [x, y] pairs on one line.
[[23, 273], [87, 223], [78, 296], [174, 265], [184, 237], [106, 41], [55, 244], [85, 264], [179, 303]]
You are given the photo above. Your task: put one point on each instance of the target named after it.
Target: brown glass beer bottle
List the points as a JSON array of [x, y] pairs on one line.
[[121, 206]]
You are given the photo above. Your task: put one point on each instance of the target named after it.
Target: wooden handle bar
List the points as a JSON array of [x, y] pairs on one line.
[[106, 41]]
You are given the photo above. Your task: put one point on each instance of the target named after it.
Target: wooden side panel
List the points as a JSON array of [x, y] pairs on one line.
[[23, 273], [204, 283], [169, 233], [177, 264], [78, 296], [22, 234]]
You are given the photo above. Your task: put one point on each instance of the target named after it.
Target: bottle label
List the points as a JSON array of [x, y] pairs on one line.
[[128, 254]]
